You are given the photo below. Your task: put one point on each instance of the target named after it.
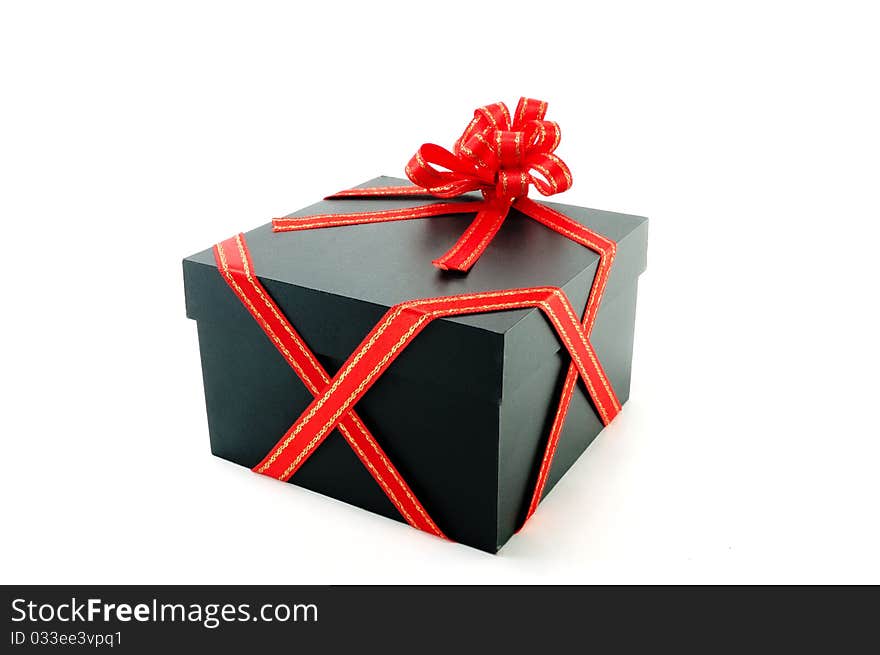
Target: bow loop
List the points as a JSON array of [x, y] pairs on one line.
[[555, 174], [527, 110], [482, 153], [497, 115], [460, 177], [542, 136]]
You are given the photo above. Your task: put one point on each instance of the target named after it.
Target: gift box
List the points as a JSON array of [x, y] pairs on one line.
[[458, 427]]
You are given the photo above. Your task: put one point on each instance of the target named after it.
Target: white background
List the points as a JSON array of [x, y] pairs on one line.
[[134, 134]]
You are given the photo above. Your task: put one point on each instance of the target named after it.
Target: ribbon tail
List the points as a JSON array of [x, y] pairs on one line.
[[474, 241], [402, 191], [296, 223]]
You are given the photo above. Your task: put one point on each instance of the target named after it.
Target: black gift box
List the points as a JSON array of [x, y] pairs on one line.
[[465, 411]]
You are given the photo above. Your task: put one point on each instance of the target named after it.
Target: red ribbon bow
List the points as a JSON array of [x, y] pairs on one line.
[[497, 155]]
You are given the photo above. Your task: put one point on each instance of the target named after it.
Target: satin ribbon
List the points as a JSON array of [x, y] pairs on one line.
[[499, 155]]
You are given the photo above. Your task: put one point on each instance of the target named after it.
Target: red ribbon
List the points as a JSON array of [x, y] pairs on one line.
[[501, 157], [235, 265], [498, 155], [335, 398]]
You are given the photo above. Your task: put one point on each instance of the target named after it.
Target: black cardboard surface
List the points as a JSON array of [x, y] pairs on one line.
[[465, 410]]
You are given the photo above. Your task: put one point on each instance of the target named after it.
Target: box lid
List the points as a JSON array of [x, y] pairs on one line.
[[334, 284]]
